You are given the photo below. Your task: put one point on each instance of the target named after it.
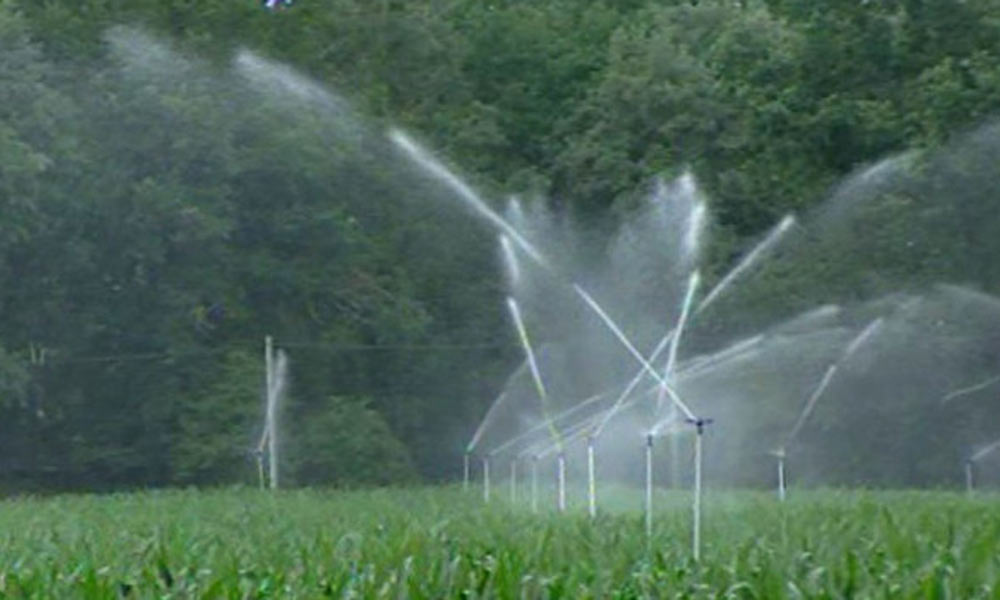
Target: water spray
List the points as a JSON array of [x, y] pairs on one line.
[[547, 423], [631, 348], [817, 393], [733, 352], [668, 372], [660, 347], [510, 260], [533, 364], [571, 434], [768, 242], [275, 376], [811, 404], [852, 347], [428, 162], [675, 341], [482, 425], [696, 223], [971, 389]]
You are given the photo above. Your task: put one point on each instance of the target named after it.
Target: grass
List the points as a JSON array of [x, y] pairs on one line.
[[439, 543]]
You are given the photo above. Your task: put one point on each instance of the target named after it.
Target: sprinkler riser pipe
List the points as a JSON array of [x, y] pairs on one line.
[[969, 480], [591, 483], [465, 472], [781, 478], [272, 400], [513, 480], [649, 485], [260, 469], [674, 475], [696, 509], [561, 482], [486, 480], [534, 484]]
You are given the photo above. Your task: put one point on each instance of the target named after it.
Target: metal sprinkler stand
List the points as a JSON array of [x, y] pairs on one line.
[[561, 482], [969, 482], [259, 457], [696, 509], [534, 483], [780, 454], [486, 479], [649, 485], [465, 472], [591, 476], [513, 480]]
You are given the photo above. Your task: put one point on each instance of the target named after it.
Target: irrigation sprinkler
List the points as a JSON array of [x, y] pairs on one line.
[[970, 463], [649, 485], [486, 479], [534, 483], [696, 508], [780, 455], [591, 476], [668, 369], [561, 482], [852, 347], [269, 427]]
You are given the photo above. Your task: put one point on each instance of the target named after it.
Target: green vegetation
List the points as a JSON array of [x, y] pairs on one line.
[[312, 544], [161, 215]]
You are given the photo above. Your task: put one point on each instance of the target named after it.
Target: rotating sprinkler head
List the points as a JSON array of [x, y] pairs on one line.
[[699, 424]]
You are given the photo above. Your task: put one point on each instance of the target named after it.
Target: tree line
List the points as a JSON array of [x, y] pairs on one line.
[[163, 213]]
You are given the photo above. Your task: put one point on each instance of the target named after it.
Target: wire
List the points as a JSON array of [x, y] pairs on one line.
[[143, 356]]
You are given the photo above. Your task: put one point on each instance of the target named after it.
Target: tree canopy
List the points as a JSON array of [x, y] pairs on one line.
[[179, 179]]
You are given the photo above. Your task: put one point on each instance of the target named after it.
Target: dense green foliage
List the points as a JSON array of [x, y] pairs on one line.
[[142, 187], [245, 544]]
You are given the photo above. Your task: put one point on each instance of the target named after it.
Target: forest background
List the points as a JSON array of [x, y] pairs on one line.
[[159, 219]]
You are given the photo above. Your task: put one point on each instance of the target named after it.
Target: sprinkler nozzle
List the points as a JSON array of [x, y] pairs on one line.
[[700, 423]]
